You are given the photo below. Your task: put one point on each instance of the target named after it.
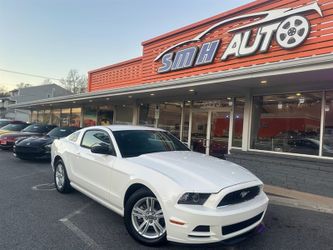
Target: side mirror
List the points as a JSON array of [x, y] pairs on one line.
[[103, 149]]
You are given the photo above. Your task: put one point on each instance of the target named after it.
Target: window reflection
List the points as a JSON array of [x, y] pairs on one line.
[[328, 128], [287, 123], [239, 105]]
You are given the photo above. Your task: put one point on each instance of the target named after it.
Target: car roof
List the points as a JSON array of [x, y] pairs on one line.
[[126, 127]]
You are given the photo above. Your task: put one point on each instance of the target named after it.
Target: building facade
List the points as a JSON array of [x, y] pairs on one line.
[[253, 85]]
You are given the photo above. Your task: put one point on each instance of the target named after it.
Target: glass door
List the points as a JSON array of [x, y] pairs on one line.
[[199, 131], [219, 134]]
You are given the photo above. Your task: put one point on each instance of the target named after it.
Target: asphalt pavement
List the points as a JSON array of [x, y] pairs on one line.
[[33, 215]]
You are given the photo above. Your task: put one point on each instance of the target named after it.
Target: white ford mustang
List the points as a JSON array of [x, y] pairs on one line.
[[163, 190]]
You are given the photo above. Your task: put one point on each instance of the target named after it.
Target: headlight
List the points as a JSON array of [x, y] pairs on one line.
[[193, 198]]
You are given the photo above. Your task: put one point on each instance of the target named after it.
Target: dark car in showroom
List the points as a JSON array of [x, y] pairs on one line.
[[7, 140], [40, 147]]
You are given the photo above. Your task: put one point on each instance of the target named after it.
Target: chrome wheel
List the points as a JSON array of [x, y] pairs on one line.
[[60, 176], [292, 32], [147, 218]]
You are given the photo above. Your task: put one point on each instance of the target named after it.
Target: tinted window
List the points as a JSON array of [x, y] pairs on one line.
[[14, 127], [133, 143], [4, 123], [38, 128], [61, 132], [95, 137]]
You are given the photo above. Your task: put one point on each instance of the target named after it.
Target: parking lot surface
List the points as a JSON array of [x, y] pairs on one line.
[[33, 215]]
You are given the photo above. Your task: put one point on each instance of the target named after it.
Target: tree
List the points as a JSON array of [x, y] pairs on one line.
[[75, 82], [47, 81], [3, 92], [23, 85]]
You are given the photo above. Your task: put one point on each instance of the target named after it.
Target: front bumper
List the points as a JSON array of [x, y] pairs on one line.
[[31, 153], [6, 144], [223, 222]]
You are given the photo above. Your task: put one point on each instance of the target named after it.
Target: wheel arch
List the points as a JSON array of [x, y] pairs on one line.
[[132, 189]]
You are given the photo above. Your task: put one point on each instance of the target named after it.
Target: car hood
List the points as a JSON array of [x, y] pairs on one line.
[[21, 134], [3, 131], [35, 141], [194, 171]]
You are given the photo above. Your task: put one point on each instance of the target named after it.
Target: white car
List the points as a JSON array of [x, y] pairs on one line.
[[163, 190]]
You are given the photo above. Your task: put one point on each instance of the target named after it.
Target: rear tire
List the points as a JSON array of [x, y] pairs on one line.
[[61, 180], [144, 218]]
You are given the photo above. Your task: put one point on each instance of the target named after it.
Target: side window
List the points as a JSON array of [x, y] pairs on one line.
[[95, 137], [73, 137]]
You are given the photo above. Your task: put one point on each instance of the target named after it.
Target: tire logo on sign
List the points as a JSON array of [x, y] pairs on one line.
[[287, 26]]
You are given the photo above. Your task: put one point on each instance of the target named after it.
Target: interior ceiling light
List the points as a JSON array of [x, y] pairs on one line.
[[129, 96], [191, 90], [152, 94], [264, 82], [298, 94]]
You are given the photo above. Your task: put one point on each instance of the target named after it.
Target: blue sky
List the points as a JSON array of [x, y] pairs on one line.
[[49, 38]]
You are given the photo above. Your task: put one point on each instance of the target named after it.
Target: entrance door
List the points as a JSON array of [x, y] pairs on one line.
[[199, 131], [210, 132], [219, 134]]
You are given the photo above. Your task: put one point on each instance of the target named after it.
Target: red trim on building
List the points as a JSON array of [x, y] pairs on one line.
[[143, 70]]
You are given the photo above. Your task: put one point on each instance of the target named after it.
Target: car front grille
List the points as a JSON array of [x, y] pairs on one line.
[[21, 149], [239, 196], [241, 225]]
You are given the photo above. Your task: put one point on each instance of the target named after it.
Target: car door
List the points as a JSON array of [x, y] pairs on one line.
[[93, 171]]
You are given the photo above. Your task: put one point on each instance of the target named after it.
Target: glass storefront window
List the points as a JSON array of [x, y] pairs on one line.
[[105, 115], [40, 115], [328, 127], [170, 117], [287, 123], [147, 114], [124, 114], [89, 116], [75, 117], [239, 104], [47, 117], [34, 116], [64, 117], [186, 122], [56, 117]]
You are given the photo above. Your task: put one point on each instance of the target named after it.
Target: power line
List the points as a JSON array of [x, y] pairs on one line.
[[27, 74]]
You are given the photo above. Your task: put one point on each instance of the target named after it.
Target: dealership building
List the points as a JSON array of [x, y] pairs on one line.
[[253, 85]]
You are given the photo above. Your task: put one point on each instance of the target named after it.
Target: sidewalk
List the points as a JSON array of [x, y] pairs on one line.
[[293, 198]]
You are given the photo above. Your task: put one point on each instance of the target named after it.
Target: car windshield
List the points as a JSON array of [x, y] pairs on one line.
[[14, 127], [61, 132], [133, 143], [35, 129]]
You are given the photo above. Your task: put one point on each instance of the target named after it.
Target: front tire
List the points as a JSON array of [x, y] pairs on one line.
[[61, 180], [144, 219]]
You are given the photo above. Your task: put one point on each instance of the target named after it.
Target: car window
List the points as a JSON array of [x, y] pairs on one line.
[[14, 127], [132, 143], [95, 137], [37, 128], [61, 132], [73, 137]]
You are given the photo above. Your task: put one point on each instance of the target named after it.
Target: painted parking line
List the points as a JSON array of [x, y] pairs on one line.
[[91, 244], [44, 187]]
